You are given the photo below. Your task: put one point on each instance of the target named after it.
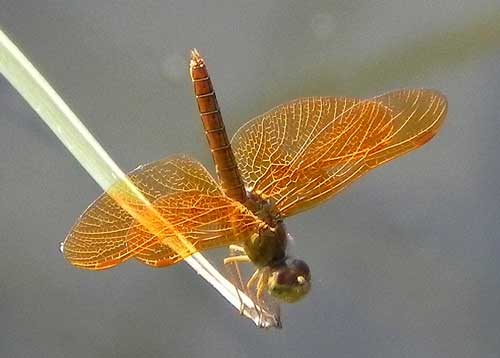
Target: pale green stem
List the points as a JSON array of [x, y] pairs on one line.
[[89, 153]]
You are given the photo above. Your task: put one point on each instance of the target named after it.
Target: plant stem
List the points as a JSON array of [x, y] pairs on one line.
[[77, 139]]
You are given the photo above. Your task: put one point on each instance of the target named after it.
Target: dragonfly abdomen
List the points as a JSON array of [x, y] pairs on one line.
[[215, 131]]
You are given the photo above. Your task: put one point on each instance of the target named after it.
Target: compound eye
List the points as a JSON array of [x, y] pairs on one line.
[[301, 269], [293, 272], [290, 281]]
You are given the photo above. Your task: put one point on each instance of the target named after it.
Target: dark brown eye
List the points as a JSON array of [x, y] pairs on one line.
[[283, 276], [301, 269], [290, 281], [289, 273]]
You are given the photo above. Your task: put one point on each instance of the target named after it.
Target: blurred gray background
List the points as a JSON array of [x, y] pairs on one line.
[[405, 264]]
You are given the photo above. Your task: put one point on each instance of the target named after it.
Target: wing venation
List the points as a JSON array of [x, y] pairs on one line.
[[185, 196], [302, 152]]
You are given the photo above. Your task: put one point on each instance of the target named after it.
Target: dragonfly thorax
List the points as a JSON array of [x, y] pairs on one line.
[[268, 246], [286, 279]]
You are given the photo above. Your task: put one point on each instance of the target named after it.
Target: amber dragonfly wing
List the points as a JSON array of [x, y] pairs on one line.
[[185, 195], [302, 152]]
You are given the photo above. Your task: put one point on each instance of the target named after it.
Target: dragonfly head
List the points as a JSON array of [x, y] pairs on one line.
[[290, 281]]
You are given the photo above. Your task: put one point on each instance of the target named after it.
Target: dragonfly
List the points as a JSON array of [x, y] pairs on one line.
[[289, 159]]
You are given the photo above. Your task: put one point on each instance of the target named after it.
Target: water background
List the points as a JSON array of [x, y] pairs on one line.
[[406, 263]]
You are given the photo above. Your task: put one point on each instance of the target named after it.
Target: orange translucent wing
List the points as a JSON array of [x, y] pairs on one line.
[[304, 151], [185, 195], [417, 115]]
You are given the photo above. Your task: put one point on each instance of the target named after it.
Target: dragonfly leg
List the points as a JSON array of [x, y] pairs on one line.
[[236, 259], [262, 285], [253, 279], [237, 280]]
